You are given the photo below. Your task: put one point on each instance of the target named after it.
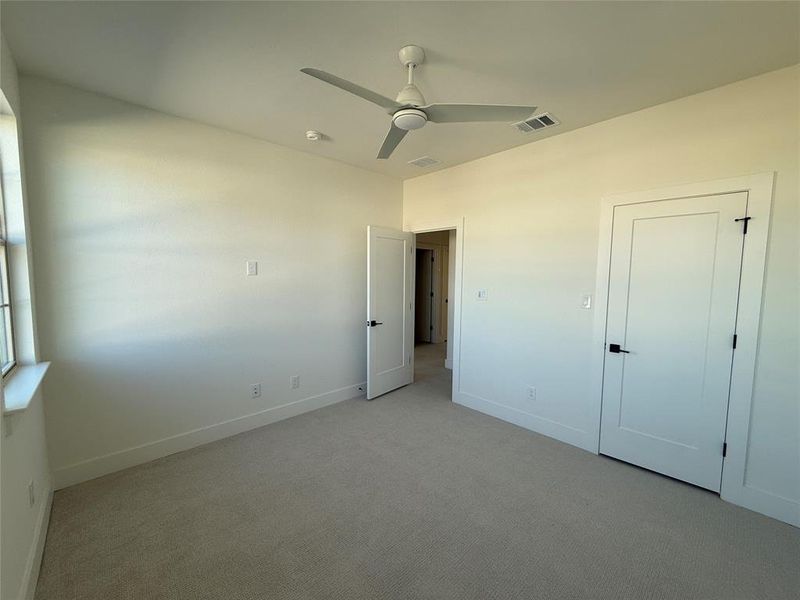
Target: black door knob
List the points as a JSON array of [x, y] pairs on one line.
[[616, 349]]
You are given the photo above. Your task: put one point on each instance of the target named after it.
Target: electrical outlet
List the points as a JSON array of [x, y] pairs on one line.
[[531, 393], [255, 390], [31, 494], [252, 268], [294, 382]]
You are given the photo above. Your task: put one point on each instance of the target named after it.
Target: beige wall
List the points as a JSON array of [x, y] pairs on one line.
[[23, 526], [23, 454], [531, 232], [143, 223]]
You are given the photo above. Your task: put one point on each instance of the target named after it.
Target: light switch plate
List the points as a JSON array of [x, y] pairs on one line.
[[252, 268], [586, 301], [483, 295]]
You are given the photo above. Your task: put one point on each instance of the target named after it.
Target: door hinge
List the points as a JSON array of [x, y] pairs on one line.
[[735, 337], [724, 449], [745, 220]]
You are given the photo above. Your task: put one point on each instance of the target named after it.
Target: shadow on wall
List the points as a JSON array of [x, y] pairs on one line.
[[142, 226]]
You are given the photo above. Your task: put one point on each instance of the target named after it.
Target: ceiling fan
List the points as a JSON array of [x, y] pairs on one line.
[[409, 110]]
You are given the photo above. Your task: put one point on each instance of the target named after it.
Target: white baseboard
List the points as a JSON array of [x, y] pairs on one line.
[[777, 507], [764, 502], [31, 575], [448, 363], [563, 433], [130, 457]]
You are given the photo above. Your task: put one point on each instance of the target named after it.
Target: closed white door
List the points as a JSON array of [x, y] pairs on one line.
[[673, 288], [390, 314]]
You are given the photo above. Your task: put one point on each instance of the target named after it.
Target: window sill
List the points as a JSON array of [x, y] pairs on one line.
[[21, 386]]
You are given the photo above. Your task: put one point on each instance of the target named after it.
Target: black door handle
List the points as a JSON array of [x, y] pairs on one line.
[[373, 323], [616, 349]]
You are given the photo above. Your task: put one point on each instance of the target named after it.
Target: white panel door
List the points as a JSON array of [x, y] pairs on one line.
[[673, 288], [390, 315]]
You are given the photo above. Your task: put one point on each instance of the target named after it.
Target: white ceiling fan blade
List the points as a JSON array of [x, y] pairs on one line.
[[475, 113], [386, 103], [393, 138]]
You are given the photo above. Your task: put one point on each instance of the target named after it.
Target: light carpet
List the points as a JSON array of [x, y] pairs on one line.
[[406, 497]]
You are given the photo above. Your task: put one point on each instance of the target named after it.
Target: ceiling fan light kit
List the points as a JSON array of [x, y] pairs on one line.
[[409, 110], [409, 118]]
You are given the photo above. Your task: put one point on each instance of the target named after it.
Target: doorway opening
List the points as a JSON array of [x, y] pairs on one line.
[[433, 315]]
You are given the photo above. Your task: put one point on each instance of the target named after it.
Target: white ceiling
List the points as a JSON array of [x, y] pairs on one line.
[[236, 65]]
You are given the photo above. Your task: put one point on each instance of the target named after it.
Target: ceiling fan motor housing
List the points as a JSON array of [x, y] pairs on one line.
[[409, 118], [410, 94]]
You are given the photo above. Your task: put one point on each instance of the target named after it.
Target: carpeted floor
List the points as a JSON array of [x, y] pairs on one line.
[[408, 496]]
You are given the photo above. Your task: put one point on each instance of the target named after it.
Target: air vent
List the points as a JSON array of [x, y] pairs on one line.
[[537, 122], [424, 161]]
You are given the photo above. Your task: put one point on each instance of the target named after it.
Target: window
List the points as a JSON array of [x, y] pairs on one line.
[[7, 356]]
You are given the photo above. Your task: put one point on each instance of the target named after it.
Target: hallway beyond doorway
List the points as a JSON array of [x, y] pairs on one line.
[[429, 369]]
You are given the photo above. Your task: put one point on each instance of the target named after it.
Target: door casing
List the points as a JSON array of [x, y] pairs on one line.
[[760, 191]]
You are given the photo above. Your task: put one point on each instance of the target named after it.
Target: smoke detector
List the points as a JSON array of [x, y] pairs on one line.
[[313, 135]]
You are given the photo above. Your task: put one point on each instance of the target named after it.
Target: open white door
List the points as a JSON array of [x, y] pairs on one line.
[[390, 310], [672, 302]]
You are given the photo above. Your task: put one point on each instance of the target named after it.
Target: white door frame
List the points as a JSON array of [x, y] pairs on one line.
[[760, 189], [456, 294]]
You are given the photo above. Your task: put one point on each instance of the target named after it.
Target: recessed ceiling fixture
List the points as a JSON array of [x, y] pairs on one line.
[[313, 136], [424, 161], [409, 110]]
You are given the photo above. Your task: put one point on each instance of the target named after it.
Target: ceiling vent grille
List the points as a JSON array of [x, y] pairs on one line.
[[537, 122], [424, 161]]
